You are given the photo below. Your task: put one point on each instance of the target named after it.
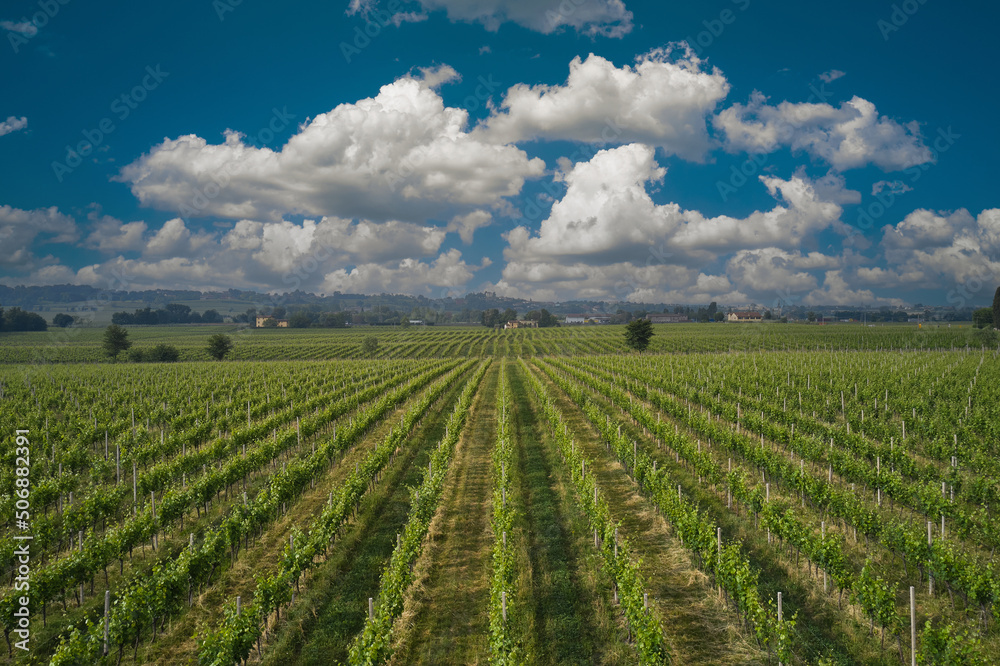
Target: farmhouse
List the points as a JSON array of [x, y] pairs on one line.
[[281, 323], [666, 318], [744, 315], [520, 323], [588, 319]]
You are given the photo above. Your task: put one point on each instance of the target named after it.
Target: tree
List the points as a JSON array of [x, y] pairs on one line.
[[270, 322], [164, 353], [300, 319], [996, 309], [17, 319], [369, 345], [115, 341], [219, 345], [982, 317], [510, 314], [211, 317], [811, 316], [638, 333], [62, 320], [490, 318]]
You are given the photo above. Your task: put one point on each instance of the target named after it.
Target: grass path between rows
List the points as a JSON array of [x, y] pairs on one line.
[[444, 618]]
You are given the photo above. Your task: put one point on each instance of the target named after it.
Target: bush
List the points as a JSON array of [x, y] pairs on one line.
[[161, 353]]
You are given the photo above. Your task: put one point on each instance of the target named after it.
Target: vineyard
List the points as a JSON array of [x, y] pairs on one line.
[[734, 495], [83, 345]]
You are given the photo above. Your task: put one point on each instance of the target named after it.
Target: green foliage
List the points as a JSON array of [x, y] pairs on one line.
[[982, 318], [62, 320], [369, 346], [947, 644], [219, 345], [16, 319], [161, 353], [638, 333], [115, 340], [996, 309]]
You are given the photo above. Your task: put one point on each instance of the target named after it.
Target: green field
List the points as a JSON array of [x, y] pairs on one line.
[[84, 344], [523, 497]]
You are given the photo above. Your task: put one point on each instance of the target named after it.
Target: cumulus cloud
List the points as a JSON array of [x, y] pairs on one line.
[[21, 229], [836, 291], [832, 75], [661, 101], [772, 270], [401, 154], [466, 225], [929, 249], [606, 236], [848, 137], [108, 234], [12, 124], [447, 270]]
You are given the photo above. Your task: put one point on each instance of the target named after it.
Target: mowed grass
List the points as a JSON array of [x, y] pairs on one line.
[[444, 618], [333, 605]]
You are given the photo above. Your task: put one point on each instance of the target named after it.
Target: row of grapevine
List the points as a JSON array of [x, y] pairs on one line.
[[373, 645]]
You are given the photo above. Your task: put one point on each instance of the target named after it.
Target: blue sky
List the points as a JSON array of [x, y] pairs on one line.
[[741, 151]]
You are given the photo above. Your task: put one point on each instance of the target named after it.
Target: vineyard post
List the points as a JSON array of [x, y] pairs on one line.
[[822, 527], [135, 498], [371, 609], [913, 626], [118, 464], [503, 603], [930, 577], [105, 444], [779, 617], [239, 606], [107, 611]]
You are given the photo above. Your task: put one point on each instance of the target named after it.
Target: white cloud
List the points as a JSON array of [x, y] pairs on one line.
[[940, 250], [466, 225], [836, 291], [772, 270], [109, 234], [13, 124], [22, 27], [893, 186], [20, 229], [660, 101], [447, 270], [607, 237], [401, 154], [400, 18], [608, 18], [848, 137], [832, 75]]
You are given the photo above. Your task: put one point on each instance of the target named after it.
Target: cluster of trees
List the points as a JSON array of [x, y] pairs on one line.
[[16, 319], [494, 317], [173, 313], [116, 341]]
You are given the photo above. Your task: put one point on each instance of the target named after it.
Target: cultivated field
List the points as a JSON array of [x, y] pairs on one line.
[[525, 497]]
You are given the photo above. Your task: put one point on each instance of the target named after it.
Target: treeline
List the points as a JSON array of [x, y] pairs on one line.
[[173, 313], [16, 319]]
